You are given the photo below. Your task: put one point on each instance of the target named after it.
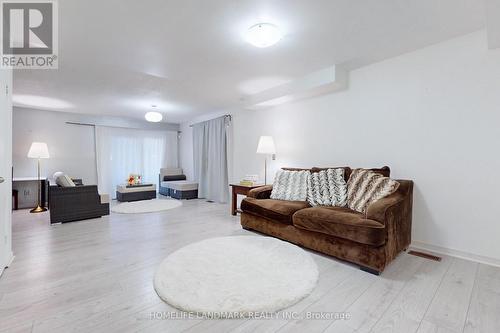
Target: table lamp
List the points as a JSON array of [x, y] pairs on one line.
[[38, 150], [266, 147]]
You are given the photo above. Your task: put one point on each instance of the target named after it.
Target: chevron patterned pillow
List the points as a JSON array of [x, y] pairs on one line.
[[327, 188], [365, 187], [290, 185]]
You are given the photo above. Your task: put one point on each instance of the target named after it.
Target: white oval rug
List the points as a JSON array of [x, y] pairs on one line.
[[237, 274], [146, 206]]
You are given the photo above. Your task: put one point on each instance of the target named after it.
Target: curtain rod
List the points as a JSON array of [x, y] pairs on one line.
[[81, 124], [94, 125], [225, 116]]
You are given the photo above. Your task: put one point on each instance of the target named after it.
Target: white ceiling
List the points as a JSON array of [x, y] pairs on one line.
[[117, 57]]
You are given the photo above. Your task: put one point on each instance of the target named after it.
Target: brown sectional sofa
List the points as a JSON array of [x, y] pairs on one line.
[[371, 240]]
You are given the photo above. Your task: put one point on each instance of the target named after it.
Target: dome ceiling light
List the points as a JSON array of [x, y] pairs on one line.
[[153, 116], [263, 35]]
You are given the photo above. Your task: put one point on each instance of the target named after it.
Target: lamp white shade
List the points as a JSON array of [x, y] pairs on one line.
[[266, 145], [38, 150]]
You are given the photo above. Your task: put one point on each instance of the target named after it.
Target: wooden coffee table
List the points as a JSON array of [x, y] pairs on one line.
[[239, 189]]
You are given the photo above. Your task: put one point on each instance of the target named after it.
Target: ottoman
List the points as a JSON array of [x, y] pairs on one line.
[[182, 189], [135, 192]]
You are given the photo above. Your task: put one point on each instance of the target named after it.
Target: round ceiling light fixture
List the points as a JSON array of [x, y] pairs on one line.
[[153, 117], [263, 35]]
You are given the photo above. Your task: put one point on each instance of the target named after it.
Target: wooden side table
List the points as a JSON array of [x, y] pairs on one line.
[[239, 189]]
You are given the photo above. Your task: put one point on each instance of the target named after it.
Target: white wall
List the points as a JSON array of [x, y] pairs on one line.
[[432, 115], [71, 147]]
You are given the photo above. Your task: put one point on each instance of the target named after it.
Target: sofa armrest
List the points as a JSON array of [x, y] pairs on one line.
[[105, 199], [395, 212], [263, 192], [378, 210]]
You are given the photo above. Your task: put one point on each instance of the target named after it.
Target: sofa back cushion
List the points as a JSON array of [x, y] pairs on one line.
[[174, 178], [295, 169], [170, 172], [290, 185], [365, 187], [327, 188]]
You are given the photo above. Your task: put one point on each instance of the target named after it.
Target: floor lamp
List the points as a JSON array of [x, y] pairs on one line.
[[266, 147], [38, 150]]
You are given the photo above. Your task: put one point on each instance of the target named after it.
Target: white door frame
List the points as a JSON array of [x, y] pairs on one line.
[[6, 254]]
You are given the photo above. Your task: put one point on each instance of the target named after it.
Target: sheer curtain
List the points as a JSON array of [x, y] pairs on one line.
[[122, 151], [210, 159]]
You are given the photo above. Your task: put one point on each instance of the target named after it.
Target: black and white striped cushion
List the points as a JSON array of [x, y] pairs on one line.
[[290, 185], [365, 187], [327, 188]]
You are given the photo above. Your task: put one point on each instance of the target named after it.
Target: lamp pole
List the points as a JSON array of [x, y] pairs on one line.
[[265, 170], [38, 150], [38, 208]]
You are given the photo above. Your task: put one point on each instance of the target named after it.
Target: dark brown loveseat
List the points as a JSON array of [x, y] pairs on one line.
[[371, 240]]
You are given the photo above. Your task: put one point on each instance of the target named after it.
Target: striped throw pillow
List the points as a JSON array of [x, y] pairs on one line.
[[365, 187], [65, 181], [290, 185], [327, 188]]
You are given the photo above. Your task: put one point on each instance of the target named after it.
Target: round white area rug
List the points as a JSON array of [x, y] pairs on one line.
[[237, 274], [145, 206]]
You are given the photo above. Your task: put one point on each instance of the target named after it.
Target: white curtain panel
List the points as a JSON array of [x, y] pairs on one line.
[[122, 151], [210, 159]]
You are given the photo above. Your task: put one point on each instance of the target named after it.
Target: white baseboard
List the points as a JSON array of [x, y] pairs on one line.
[[455, 253]]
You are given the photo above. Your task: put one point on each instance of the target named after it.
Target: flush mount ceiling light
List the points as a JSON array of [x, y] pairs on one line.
[[153, 117], [263, 35]]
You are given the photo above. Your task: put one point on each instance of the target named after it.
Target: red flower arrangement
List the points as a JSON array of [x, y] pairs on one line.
[[134, 179]]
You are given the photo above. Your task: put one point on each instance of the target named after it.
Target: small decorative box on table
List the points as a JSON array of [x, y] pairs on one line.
[[135, 192]]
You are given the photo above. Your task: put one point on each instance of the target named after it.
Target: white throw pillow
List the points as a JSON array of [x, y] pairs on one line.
[[65, 181], [290, 185], [57, 174]]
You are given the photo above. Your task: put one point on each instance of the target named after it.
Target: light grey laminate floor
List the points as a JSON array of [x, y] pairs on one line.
[[96, 276]]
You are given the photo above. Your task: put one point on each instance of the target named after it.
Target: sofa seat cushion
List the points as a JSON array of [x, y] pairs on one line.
[[341, 222], [276, 210]]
